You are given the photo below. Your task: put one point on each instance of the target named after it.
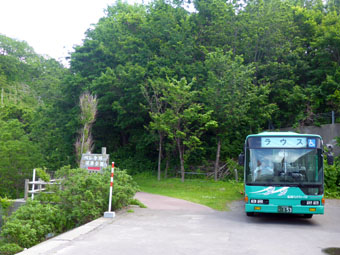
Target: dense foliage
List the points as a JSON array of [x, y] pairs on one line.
[[82, 198], [332, 179], [10, 248], [177, 83], [193, 84], [31, 223], [33, 125]]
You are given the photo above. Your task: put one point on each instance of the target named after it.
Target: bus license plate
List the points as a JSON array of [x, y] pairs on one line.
[[285, 209]]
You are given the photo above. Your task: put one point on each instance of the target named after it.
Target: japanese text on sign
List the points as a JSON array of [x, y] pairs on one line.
[[283, 142], [94, 162]]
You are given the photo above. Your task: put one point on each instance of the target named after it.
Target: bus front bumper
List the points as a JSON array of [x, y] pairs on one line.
[[292, 209]]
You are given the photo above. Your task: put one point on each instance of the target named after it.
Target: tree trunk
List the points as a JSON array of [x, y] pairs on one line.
[[166, 168], [159, 157], [181, 158], [217, 162], [82, 142]]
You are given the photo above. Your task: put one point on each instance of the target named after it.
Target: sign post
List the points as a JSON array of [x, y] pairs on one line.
[[110, 214]]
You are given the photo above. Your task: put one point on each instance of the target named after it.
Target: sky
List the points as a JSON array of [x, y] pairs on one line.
[[51, 27]]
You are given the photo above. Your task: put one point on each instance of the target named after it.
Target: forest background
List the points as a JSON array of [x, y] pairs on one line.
[[175, 89]]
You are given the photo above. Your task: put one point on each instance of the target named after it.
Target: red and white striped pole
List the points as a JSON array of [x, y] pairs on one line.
[[110, 214], [111, 185]]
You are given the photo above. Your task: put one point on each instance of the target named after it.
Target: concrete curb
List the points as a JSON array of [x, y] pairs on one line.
[[51, 246]]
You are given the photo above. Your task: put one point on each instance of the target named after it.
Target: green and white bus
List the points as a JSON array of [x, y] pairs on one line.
[[283, 173]]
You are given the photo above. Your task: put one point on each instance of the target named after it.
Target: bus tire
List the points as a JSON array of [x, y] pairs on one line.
[[308, 216], [250, 214]]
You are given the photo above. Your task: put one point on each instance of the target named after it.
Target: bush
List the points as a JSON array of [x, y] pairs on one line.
[[332, 179], [31, 223], [5, 205], [124, 189], [10, 249], [84, 196]]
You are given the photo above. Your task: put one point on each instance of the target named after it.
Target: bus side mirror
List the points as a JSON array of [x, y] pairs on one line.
[[241, 159], [330, 159]]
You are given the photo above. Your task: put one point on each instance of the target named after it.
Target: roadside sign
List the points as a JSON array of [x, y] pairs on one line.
[[95, 163]]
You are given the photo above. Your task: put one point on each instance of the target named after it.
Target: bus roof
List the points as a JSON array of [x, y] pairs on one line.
[[289, 133]]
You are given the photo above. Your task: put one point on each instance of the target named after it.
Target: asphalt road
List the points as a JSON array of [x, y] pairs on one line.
[[170, 226]]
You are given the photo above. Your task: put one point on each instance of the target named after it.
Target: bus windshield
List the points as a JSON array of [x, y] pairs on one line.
[[281, 166]]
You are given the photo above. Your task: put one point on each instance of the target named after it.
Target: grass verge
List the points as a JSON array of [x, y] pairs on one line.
[[213, 194]]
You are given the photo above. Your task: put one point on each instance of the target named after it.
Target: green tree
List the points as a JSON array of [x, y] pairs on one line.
[[31, 90], [215, 25], [292, 46], [18, 158], [183, 120], [229, 95], [128, 47], [326, 62], [153, 93]]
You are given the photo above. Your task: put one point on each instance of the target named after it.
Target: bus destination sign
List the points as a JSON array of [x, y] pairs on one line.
[[285, 142]]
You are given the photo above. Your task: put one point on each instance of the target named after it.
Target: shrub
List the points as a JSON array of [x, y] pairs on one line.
[[43, 175], [30, 224], [124, 188], [5, 205], [84, 196], [10, 249], [332, 179]]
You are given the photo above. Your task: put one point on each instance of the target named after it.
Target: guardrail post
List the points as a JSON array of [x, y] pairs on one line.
[[33, 184], [236, 175], [26, 189], [39, 185]]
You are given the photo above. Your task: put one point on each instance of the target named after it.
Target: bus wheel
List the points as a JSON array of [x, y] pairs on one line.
[[250, 214], [308, 216]]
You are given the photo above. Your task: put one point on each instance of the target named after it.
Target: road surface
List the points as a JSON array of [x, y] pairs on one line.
[[170, 226]]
